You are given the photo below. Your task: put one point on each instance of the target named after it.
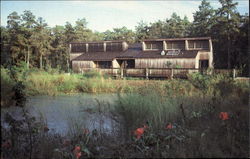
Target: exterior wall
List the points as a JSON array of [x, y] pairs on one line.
[[211, 55], [115, 64], [162, 63], [72, 56], [78, 65], [202, 55]]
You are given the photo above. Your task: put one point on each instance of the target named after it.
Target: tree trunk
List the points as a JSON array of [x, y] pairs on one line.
[[228, 45], [28, 58], [68, 65], [41, 61]]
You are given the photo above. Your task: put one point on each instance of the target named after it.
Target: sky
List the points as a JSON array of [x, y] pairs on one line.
[[106, 15]]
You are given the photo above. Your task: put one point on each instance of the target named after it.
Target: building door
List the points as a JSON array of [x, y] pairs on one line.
[[203, 64]]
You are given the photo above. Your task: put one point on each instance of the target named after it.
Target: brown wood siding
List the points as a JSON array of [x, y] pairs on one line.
[[78, 65], [204, 56], [72, 56], [163, 63]]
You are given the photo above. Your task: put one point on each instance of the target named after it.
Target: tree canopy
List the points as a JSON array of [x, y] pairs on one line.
[[29, 39]]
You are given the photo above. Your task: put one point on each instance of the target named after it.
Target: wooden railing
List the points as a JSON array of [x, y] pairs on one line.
[[158, 72]]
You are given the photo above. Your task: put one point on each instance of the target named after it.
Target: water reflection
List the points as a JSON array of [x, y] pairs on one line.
[[71, 114]]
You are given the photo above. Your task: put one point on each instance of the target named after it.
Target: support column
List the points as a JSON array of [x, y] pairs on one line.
[[143, 46], [121, 72], [146, 73], [104, 47], [172, 73], [87, 47], [186, 45]]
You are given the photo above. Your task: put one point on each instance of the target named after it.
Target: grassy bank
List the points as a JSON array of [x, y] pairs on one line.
[[53, 82]]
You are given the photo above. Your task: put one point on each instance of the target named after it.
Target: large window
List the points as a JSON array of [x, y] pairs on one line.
[[198, 44], [95, 47], [154, 45], [103, 64], [176, 45], [78, 47], [114, 46]]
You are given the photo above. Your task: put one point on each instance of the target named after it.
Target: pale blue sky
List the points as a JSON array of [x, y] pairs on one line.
[[104, 15]]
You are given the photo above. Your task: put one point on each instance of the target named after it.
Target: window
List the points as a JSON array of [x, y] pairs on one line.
[[198, 44], [114, 46], [78, 47], [180, 45], [96, 47], [104, 64], [201, 44], [191, 44], [154, 45]]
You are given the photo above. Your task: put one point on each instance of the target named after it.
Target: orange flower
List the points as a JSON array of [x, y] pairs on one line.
[[77, 148], [78, 155], [224, 116], [77, 152], [139, 132], [169, 126]]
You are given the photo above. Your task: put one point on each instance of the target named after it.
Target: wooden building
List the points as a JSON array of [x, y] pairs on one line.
[[192, 53]]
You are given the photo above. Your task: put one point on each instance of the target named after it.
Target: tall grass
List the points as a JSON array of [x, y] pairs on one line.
[[195, 117], [7, 84]]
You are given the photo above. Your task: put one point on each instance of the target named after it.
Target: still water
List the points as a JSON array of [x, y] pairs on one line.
[[71, 113]]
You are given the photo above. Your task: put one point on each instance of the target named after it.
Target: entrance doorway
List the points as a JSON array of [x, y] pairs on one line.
[[203, 64]]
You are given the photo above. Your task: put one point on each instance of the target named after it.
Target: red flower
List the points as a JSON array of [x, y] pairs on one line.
[[224, 116], [77, 152], [77, 148], [169, 126], [78, 155], [139, 132]]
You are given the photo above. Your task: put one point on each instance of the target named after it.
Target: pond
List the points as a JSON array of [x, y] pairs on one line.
[[71, 113]]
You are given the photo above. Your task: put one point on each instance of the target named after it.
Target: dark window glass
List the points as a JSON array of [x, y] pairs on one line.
[[169, 45], [191, 44], [104, 64], [78, 47]]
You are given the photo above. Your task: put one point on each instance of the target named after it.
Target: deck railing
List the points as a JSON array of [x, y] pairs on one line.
[[159, 72]]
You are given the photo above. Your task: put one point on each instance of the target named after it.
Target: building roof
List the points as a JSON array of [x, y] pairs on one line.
[[134, 51], [97, 56], [177, 39], [115, 41]]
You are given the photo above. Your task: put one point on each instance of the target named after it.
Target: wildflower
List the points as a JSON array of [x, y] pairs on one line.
[[139, 132], [78, 155], [77, 148], [224, 116], [169, 126], [77, 152]]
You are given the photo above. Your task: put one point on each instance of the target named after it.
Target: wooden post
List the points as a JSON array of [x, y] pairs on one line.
[[121, 72], [234, 73], [172, 73], [146, 71]]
